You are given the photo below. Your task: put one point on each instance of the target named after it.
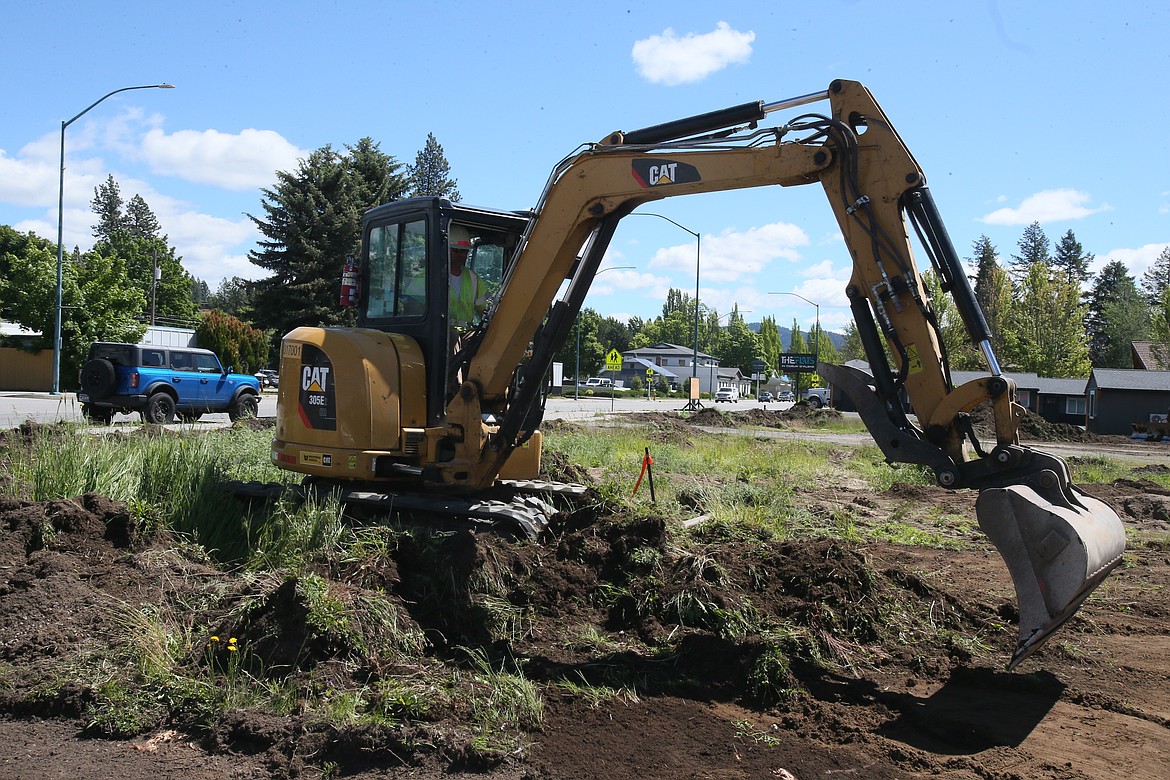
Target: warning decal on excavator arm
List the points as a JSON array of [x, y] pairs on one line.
[[913, 361], [317, 402]]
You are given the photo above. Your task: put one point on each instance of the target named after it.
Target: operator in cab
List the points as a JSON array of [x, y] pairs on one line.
[[467, 298]]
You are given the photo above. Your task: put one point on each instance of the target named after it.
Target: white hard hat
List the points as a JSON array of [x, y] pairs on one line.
[[458, 238]]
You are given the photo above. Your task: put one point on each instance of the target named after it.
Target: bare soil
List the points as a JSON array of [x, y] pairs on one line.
[[906, 680]]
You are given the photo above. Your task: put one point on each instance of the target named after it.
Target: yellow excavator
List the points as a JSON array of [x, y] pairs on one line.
[[417, 410]]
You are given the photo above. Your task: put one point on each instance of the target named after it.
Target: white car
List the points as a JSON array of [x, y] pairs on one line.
[[729, 394]]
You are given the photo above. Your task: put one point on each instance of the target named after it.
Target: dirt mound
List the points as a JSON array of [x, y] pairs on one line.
[[713, 417], [668, 653], [1033, 427]]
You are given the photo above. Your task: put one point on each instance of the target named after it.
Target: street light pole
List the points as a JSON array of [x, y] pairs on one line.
[[817, 337], [60, 227], [695, 405]]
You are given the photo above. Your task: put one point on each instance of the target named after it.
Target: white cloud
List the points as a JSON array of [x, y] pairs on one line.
[[241, 161], [210, 246], [1046, 206], [621, 280], [1138, 261], [26, 181], [731, 255], [668, 59]]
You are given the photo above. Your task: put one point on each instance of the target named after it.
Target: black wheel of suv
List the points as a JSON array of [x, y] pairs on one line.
[[815, 402], [98, 378], [97, 415], [245, 406], [159, 409]]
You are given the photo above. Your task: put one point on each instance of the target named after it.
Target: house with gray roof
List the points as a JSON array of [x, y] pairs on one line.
[[1120, 397], [675, 364], [1062, 400]]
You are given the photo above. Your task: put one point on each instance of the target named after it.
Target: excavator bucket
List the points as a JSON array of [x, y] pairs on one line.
[[1058, 543]]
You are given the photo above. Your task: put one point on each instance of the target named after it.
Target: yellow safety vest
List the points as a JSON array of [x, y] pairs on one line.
[[461, 302]]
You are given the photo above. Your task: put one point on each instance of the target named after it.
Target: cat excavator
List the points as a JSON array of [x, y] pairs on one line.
[[417, 410]]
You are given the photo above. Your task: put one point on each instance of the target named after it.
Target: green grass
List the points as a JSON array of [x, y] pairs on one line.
[[162, 663], [738, 481]]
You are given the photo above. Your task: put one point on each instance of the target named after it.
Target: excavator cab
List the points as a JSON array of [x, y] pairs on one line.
[[405, 278]]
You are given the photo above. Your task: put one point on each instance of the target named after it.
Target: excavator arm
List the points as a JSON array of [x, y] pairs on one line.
[[1057, 542]]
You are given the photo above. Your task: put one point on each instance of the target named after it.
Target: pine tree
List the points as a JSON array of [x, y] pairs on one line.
[[130, 234], [312, 222], [140, 220], [1157, 278], [1070, 258], [233, 296], [431, 173], [740, 346], [1033, 245], [107, 204], [200, 291], [1117, 315]]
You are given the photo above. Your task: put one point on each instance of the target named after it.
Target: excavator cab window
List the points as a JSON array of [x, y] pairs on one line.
[[397, 270]]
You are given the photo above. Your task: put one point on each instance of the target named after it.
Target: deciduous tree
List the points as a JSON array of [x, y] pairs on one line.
[[1048, 320]]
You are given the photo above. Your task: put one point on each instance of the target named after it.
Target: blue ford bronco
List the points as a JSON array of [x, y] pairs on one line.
[[162, 382]]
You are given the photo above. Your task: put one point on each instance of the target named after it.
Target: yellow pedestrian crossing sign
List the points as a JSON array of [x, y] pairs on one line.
[[613, 361]]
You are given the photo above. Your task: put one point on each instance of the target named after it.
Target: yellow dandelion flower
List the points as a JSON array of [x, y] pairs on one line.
[[232, 641], [214, 639], [232, 648]]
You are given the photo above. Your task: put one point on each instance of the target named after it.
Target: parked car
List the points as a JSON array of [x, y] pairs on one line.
[[599, 382], [160, 383], [729, 394], [785, 395], [267, 378], [765, 396]]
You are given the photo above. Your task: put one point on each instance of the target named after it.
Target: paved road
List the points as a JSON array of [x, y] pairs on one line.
[[15, 408]]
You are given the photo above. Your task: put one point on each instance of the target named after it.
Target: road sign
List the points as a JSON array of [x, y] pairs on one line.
[[649, 372], [613, 361], [759, 366]]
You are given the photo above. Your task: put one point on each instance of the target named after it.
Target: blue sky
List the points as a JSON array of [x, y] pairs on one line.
[[1017, 112]]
